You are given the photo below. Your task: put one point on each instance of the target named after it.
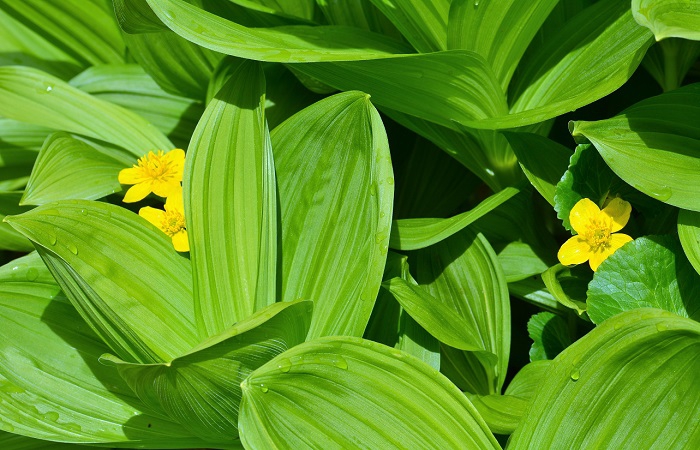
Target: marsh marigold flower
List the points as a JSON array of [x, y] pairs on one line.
[[595, 240], [160, 173], [171, 221]]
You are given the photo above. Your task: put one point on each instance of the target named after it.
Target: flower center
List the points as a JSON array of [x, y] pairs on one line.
[[156, 166], [172, 222], [597, 234]]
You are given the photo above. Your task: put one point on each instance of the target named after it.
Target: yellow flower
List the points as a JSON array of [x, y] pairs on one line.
[[595, 240], [171, 221], [160, 173]]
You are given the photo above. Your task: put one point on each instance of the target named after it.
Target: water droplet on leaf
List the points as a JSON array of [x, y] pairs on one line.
[[73, 249], [661, 326], [340, 363], [32, 274], [575, 374], [284, 365]]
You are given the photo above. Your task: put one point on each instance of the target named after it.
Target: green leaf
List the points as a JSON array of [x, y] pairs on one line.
[[9, 238], [202, 389], [51, 384], [550, 335], [654, 145], [120, 272], [10, 441], [463, 273], [520, 260], [397, 401], [36, 97], [543, 161], [534, 291], [81, 28], [298, 43], [498, 31], [525, 383], [670, 60], [68, 168], [336, 188], [412, 234], [629, 383], [19, 145], [591, 56], [423, 24], [230, 198], [135, 16], [669, 18], [360, 14], [689, 234], [502, 413], [568, 285], [659, 272]]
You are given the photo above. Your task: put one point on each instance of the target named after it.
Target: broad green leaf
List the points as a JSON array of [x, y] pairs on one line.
[[32, 96], [51, 384], [297, 43], [443, 87], [300, 399], [502, 413], [550, 334], [629, 383], [669, 18], [135, 16], [300, 9], [568, 285], [81, 28], [654, 145], [68, 168], [202, 389], [520, 260], [10, 239], [336, 188], [543, 161], [591, 56], [533, 290], [422, 22], [525, 383], [689, 234], [670, 60], [498, 31], [9, 441], [412, 234], [120, 272], [416, 341], [467, 370], [463, 273], [659, 272], [128, 86], [359, 14], [230, 199]]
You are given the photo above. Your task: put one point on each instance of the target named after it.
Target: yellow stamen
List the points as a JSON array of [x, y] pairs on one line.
[[172, 222]]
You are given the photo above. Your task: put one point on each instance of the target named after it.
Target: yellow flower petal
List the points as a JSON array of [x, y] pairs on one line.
[[175, 202], [582, 213], [166, 189], [138, 192], [574, 251], [619, 211], [180, 241], [132, 175], [153, 215], [616, 241], [176, 160]]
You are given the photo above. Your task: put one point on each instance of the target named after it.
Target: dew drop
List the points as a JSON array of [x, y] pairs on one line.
[[52, 239], [382, 214], [575, 374], [84, 212], [284, 365], [662, 194], [490, 172], [372, 190], [476, 4], [49, 88], [51, 416], [32, 274], [661, 326], [264, 388], [340, 363], [380, 237], [73, 249]]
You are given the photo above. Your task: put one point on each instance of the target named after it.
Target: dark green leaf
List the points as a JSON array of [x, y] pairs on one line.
[[550, 334], [422, 23]]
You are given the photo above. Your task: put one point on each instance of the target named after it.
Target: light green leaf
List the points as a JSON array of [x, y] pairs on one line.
[[81, 28], [422, 23], [412, 234], [670, 60], [669, 18], [550, 334], [463, 273], [520, 260], [629, 383], [120, 272], [292, 11], [135, 16], [654, 145], [543, 161], [202, 389], [502, 413], [568, 285], [360, 14], [647, 272], [68, 168], [689, 234], [9, 238], [336, 188], [397, 401], [230, 199], [525, 383], [32, 96], [280, 44], [416, 341], [499, 31], [51, 385]]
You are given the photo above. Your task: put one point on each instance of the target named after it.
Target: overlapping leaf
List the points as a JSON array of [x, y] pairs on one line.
[[669, 18], [689, 234], [422, 23]]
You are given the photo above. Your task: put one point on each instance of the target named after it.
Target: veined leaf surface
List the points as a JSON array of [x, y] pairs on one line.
[[669, 18]]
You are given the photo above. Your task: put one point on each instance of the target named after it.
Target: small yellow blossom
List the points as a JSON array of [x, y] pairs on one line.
[[160, 173], [171, 221], [595, 240]]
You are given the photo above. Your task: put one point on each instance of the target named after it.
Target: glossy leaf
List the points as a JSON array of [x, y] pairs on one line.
[[68, 168], [230, 199], [51, 385], [336, 188], [119, 272], [32, 96], [629, 383], [422, 23], [660, 273], [550, 335], [654, 146], [689, 234], [669, 18], [201, 389], [386, 410]]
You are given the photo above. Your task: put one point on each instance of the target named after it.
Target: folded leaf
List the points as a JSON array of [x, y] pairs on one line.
[[397, 401], [568, 285], [669, 18]]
